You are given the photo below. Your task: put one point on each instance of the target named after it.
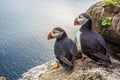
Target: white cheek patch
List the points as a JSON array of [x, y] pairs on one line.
[[57, 34], [83, 17], [81, 20], [53, 34]]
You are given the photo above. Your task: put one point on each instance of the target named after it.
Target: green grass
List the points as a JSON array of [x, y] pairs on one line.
[[110, 2], [106, 22]]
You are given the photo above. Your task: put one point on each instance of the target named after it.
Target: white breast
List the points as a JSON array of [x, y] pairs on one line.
[[78, 38], [78, 41]]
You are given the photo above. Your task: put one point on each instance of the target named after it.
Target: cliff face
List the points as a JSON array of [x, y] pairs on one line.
[[98, 12]]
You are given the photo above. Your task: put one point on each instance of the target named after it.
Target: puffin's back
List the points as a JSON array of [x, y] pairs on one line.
[[94, 47]]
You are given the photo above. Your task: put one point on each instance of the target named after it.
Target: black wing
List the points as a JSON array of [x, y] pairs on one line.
[[92, 47], [73, 51], [62, 55]]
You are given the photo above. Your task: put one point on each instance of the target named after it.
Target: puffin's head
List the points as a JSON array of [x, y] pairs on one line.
[[57, 33], [81, 19]]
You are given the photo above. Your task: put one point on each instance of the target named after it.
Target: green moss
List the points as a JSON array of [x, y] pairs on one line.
[[110, 2], [106, 22]]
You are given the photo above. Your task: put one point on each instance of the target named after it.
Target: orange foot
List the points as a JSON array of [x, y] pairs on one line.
[[57, 65], [85, 59]]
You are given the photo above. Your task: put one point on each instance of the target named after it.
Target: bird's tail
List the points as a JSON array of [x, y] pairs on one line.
[[70, 68], [67, 67], [106, 63]]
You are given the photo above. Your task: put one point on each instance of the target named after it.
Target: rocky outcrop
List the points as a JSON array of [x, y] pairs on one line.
[[84, 71], [98, 12], [2, 78], [34, 73]]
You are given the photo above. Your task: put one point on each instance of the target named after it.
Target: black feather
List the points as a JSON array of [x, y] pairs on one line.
[[92, 44], [65, 47]]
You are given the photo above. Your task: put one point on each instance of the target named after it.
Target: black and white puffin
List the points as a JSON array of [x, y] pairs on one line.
[[91, 43], [64, 48]]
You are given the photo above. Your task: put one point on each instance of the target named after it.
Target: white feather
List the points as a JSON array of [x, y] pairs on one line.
[[78, 38], [78, 41]]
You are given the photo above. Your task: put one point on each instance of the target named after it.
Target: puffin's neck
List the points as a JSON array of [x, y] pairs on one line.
[[62, 37], [87, 26]]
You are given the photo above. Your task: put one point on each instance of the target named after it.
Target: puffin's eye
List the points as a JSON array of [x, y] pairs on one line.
[[54, 32], [80, 16]]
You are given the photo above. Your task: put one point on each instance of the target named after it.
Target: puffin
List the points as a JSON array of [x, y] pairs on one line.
[[64, 48], [92, 44]]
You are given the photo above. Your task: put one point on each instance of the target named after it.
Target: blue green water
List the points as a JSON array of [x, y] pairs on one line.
[[24, 25]]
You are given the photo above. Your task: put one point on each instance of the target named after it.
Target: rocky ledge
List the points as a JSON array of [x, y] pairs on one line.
[[2, 78], [82, 71], [34, 73], [86, 70]]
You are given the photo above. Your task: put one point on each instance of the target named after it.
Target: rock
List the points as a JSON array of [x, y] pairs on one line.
[[98, 12], [114, 50], [34, 73], [2, 78], [116, 23], [84, 71], [116, 9]]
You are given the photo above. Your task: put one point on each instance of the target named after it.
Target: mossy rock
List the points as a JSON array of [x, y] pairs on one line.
[[98, 12]]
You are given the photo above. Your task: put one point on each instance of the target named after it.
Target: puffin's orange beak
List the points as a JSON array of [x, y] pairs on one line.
[[75, 22], [49, 36]]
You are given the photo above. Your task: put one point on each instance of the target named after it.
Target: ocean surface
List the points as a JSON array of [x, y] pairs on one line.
[[24, 26]]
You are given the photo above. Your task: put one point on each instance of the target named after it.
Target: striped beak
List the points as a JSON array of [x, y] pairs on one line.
[[49, 36], [75, 22]]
